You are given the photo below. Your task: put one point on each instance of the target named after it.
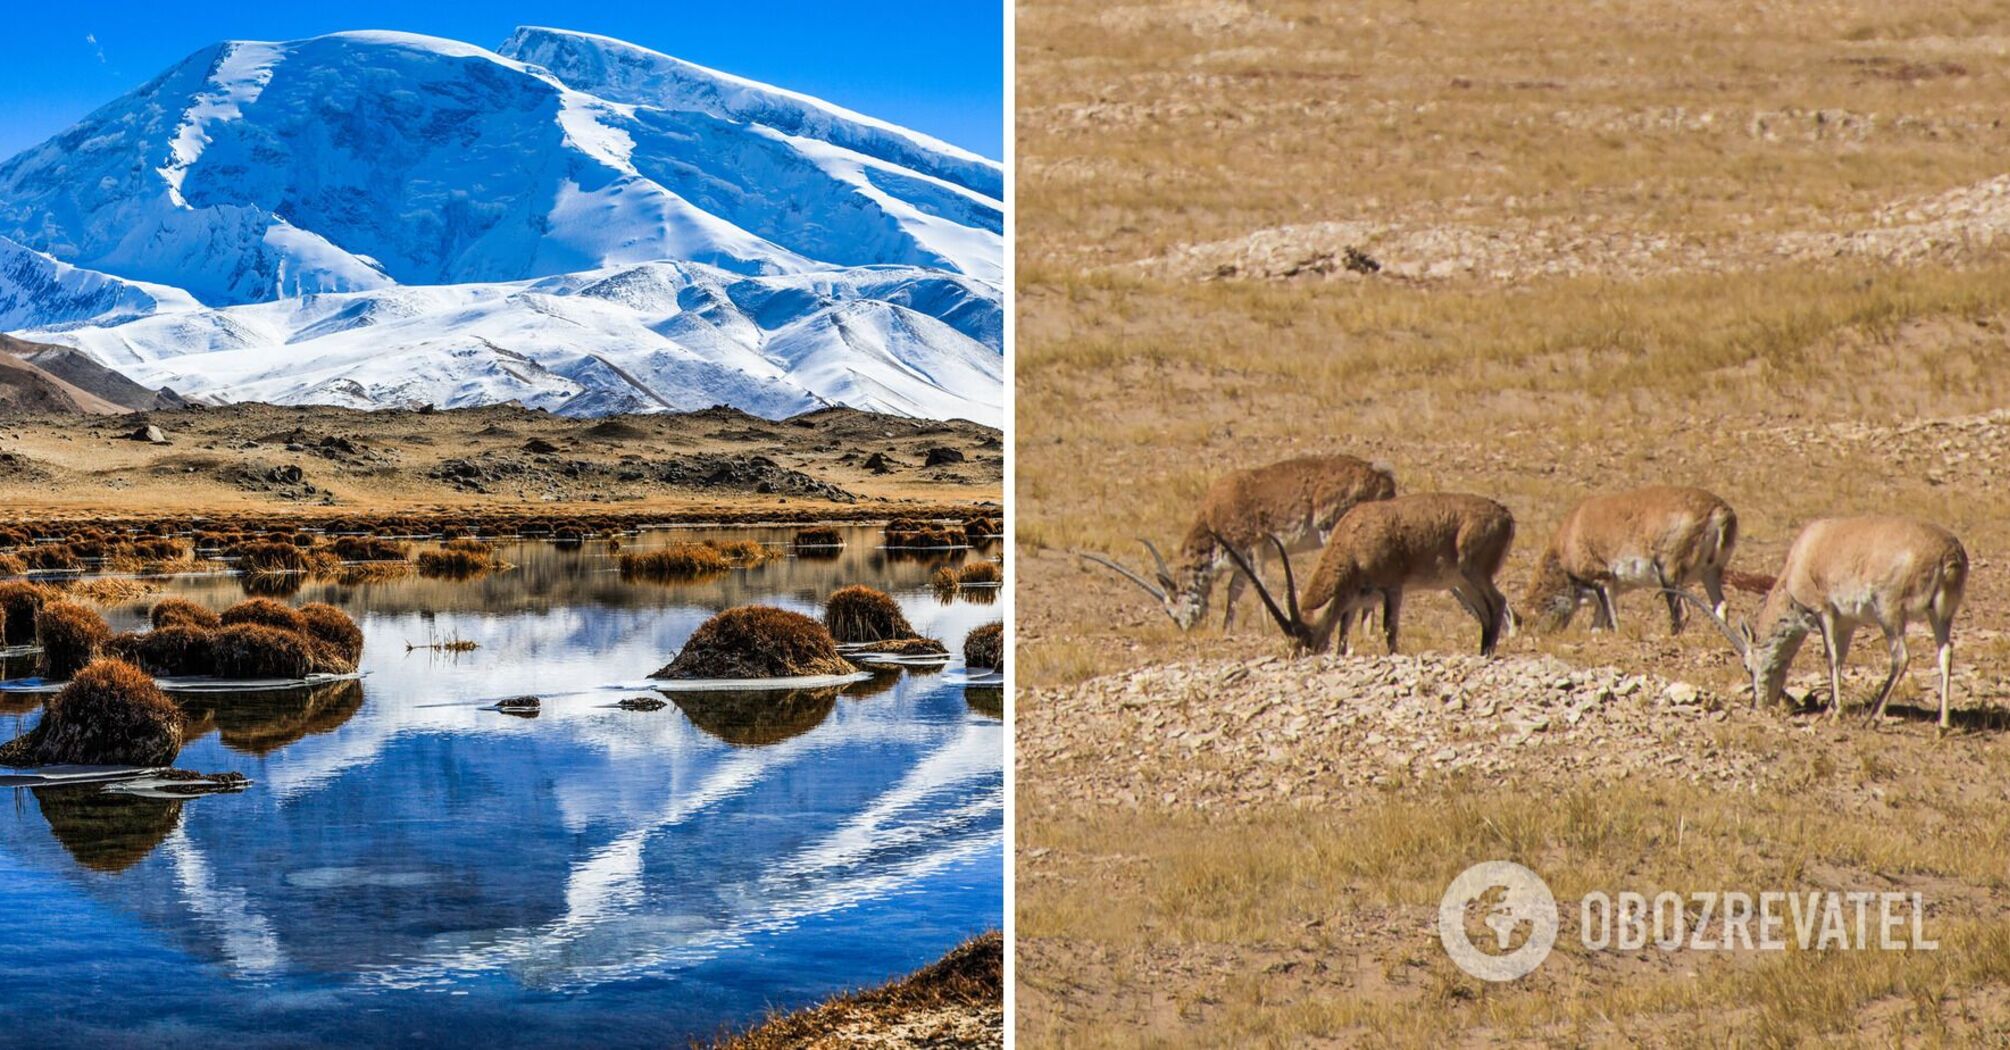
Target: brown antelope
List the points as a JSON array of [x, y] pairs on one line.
[[1297, 500], [1434, 540], [1844, 573], [1661, 536]]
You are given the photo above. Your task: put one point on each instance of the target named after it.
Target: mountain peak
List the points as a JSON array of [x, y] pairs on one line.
[[625, 72], [432, 182]]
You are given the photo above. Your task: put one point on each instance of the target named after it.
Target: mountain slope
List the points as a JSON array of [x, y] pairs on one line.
[[79, 370], [38, 290], [28, 390], [377, 218], [654, 337]]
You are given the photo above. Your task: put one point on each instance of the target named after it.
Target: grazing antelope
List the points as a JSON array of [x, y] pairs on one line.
[[1297, 500], [1844, 573], [1661, 536], [1434, 540]]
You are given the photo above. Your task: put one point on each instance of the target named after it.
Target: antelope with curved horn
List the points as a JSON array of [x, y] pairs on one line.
[[1298, 500], [1434, 540], [1662, 536], [1845, 573]]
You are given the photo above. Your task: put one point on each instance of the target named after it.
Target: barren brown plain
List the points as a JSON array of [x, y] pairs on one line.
[[300, 464], [1760, 250]]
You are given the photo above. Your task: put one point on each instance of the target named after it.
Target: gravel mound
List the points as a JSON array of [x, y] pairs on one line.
[[1329, 731]]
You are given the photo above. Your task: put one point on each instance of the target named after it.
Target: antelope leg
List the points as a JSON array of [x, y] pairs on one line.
[[1899, 658], [1832, 649]]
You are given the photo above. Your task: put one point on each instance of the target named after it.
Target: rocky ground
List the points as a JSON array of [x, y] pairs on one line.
[[243, 458], [1320, 733]]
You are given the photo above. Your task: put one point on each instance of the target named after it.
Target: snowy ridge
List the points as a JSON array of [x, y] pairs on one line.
[[655, 337], [378, 218], [624, 72], [38, 290]]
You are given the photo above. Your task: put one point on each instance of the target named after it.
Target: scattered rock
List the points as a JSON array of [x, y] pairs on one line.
[[940, 455], [522, 706], [642, 703]]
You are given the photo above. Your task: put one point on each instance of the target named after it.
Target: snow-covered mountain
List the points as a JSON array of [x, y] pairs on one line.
[[377, 218]]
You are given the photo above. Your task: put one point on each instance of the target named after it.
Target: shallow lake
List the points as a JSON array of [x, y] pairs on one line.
[[410, 868]]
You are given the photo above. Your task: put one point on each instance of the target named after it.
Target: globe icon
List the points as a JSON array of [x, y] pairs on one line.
[[1497, 920]]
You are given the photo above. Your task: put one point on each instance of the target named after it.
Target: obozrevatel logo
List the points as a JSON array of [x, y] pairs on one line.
[[1497, 920]]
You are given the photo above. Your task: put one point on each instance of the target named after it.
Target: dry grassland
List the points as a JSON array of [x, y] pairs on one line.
[[1762, 251]]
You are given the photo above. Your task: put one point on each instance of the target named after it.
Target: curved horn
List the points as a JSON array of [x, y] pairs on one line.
[[1290, 582], [1166, 578], [1723, 625], [1126, 573], [1292, 625]]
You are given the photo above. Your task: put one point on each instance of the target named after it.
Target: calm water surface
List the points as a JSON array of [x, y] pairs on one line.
[[408, 868]]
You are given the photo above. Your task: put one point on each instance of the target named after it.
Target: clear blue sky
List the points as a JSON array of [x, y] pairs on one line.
[[934, 67]]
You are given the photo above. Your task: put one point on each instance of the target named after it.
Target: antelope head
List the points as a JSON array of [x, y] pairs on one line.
[[1551, 598], [1183, 603], [1766, 657]]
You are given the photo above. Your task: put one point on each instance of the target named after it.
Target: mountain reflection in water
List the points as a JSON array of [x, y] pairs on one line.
[[409, 867]]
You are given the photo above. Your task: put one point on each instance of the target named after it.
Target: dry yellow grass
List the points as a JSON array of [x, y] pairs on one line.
[[1624, 243]]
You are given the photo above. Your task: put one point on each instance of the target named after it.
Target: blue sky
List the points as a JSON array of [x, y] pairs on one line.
[[934, 67]]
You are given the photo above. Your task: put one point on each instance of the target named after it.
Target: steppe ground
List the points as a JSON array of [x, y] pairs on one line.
[[1760, 248], [310, 462]]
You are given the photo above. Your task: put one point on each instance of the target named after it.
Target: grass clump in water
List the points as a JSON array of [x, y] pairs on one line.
[[678, 561], [757, 641], [980, 572], [111, 714], [862, 614], [820, 536], [172, 612], [984, 649], [19, 602], [70, 636]]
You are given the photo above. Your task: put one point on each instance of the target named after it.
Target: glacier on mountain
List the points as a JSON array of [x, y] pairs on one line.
[[377, 218]]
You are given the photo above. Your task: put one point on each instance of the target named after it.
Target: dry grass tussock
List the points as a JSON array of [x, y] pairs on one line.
[[460, 558], [691, 560], [863, 614], [956, 1001], [1763, 260], [984, 648], [256, 638], [757, 641], [70, 635], [110, 714]]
